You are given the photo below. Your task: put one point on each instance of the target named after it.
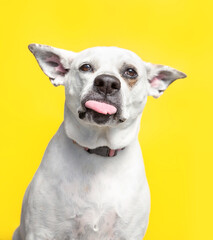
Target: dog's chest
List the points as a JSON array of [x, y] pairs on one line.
[[91, 225], [89, 213]]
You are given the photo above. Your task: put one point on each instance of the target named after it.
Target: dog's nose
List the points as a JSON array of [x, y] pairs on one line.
[[107, 84]]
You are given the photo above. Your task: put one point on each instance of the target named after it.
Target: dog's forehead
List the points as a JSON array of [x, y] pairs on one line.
[[108, 54]]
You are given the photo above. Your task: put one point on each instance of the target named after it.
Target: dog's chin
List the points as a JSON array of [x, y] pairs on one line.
[[96, 118]]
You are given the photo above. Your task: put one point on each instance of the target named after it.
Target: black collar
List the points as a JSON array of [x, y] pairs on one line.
[[102, 151]]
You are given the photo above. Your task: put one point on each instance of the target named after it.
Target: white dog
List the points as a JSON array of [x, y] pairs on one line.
[[91, 184]]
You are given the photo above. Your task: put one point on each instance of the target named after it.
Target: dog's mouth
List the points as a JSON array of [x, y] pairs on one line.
[[100, 112]]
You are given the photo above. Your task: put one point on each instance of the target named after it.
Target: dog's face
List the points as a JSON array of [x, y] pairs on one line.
[[104, 85]]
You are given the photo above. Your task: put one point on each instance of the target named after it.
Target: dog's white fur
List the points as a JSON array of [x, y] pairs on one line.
[[82, 196]]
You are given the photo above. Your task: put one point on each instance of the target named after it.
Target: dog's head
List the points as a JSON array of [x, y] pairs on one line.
[[104, 85]]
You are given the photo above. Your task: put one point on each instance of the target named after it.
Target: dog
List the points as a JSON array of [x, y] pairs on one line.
[[91, 183]]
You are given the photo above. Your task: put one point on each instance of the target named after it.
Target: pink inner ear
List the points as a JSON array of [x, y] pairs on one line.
[[58, 66], [155, 82]]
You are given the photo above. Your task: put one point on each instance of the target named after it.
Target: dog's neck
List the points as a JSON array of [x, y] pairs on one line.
[[93, 137]]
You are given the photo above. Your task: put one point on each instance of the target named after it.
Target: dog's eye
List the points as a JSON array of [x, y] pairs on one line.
[[86, 68], [131, 73]]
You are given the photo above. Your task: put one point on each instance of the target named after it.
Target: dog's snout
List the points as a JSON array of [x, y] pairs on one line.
[[107, 84]]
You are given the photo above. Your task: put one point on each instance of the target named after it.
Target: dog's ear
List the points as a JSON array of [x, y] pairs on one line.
[[54, 62], [160, 77]]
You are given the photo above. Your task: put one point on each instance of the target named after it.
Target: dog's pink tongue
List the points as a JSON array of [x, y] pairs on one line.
[[101, 107]]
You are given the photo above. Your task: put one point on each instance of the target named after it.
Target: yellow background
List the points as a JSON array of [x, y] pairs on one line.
[[176, 133]]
